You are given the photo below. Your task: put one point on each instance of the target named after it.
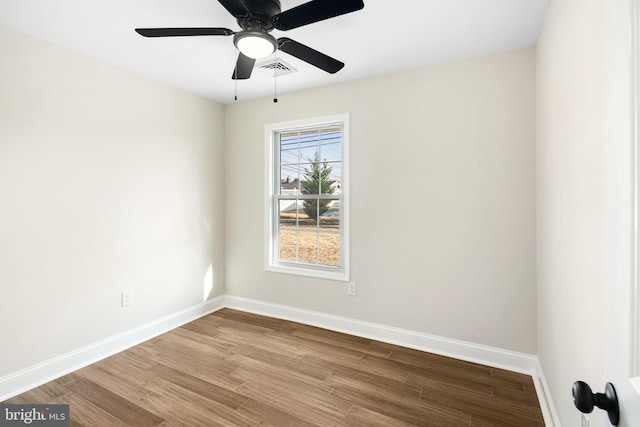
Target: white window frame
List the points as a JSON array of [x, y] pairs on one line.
[[271, 227]]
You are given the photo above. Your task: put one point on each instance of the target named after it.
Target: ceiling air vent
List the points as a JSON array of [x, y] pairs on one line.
[[276, 68]]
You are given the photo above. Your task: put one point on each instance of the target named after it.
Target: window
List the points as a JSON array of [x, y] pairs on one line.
[[307, 197]]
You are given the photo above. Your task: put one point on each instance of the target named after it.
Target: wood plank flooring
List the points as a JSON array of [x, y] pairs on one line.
[[237, 369]]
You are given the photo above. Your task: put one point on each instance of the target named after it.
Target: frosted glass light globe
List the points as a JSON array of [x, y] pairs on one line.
[[255, 45]]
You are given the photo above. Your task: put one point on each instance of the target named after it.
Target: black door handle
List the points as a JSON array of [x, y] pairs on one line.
[[585, 399]]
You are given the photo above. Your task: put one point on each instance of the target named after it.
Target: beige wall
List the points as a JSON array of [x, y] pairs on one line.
[[571, 126], [442, 207], [108, 181]]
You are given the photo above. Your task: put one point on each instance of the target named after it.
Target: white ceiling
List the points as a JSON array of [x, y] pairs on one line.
[[384, 37]]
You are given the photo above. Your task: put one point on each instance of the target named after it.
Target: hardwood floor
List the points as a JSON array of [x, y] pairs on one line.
[[238, 369]]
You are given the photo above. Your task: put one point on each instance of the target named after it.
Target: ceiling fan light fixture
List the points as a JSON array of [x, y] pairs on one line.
[[255, 44]]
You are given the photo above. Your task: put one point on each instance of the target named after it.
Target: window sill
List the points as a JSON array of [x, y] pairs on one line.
[[339, 276]]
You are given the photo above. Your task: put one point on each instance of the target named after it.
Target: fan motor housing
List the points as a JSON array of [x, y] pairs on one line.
[[261, 13]]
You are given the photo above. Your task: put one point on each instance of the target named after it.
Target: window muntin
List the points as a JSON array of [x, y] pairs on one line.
[[307, 228]]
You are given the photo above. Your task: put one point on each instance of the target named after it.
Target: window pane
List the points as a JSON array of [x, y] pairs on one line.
[[331, 146], [308, 247], [289, 149], [320, 177], [290, 180], [309, 146], [287, 250], [330, 175], [310, 179], [288, 214], [329, 249], [307, 215], [330, 218]]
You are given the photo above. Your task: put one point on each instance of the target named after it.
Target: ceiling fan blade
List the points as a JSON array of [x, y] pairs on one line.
[[314, 11], [179, 32], [235, 7], [244, 67], [309, 55]]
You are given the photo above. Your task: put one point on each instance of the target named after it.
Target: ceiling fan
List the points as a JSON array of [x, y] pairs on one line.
[[258, 18]]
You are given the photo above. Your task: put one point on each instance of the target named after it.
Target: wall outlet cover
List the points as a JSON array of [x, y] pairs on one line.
[[126, 298], [352, 289]]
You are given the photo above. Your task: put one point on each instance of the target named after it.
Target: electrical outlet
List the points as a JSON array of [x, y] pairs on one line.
[[352, 289], [585, 421], [127, 298]]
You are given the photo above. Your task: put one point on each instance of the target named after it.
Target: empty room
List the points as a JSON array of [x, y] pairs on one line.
[[320, 213]]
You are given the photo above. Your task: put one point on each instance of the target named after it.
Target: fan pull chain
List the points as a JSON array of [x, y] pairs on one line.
[[275, 77], [235, 74]]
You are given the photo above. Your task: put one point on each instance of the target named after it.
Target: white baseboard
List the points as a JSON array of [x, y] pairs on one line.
[[544, 397], [26, 379], [491, 356], [33, 376]]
